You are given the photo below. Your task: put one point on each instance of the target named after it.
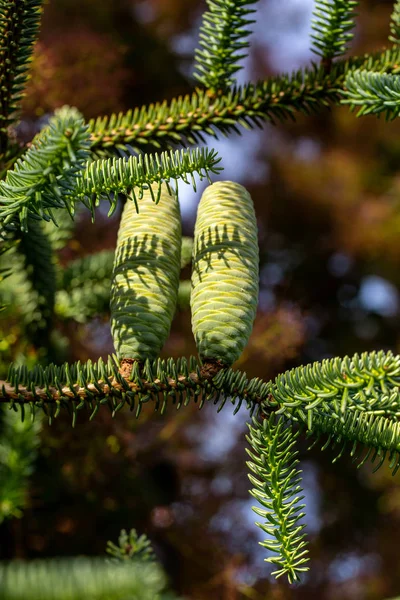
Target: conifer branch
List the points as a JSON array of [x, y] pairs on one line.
[[357, 431], [277, 483], [373, 93], [332, 25], [19, 28], [355, 400], [186, 119], [223, 35], [94, 578], [132, 547], [110, 177], [89, 386], [395, 24], [368, 383], [43, 179]]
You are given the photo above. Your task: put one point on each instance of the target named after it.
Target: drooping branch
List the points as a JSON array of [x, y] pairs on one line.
[[276, 484]]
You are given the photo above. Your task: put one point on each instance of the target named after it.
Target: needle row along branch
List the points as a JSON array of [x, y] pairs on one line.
[[352, 400], [92, 385], [188, 118], [130, 177]]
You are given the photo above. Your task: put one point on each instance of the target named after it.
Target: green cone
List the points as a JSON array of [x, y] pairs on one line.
[[225, 272], [145, 281]]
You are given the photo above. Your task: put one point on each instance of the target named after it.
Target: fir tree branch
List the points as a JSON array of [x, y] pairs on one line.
[[277, 483], [395, 24], [110, 177], [43, 178], [334, 20], [73, 579], [223, 35], [354, 400], [359, 430], [187, 119], [374, 93], [131, 547], [19, 28], [368, 383], [91, 385]]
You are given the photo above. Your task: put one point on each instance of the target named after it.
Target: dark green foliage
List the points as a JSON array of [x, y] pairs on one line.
[[90, 268], [84, 287], [75, 579], [61, 232], [277, 483], [222, 40], [332, 25], [110, 177], [395, 24], [18, 449], [131, 546], [43, 179], [37, 254], [19, 27]]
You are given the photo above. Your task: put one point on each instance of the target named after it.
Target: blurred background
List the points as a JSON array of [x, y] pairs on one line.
[[327, 195]]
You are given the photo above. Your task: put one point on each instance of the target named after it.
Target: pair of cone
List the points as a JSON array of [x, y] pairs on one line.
[[224, 274]]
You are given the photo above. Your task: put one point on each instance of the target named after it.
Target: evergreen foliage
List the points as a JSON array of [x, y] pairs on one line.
[[277, 483], [373, 93], [110, 177], [222, 37], [332, 25], [19, 441], [19, 27], [74, 579], [395, 24], [351, 403], [131, 546], [38, 263], [42, 180]]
